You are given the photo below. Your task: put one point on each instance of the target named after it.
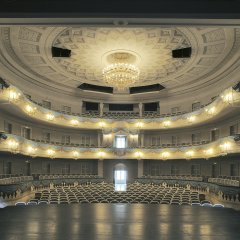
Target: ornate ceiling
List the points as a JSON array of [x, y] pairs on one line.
[[27, 50]]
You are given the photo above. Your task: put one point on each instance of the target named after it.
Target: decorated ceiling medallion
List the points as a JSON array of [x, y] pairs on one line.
[[122, 72]]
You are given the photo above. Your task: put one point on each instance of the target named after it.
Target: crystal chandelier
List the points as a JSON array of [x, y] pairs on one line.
[[120, 75]]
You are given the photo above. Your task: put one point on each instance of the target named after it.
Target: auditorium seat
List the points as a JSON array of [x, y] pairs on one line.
[[20, 204]]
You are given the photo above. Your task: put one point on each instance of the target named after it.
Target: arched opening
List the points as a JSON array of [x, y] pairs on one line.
[[120, 177]]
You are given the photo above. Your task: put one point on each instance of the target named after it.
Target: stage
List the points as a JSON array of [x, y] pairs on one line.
[[118, 222]]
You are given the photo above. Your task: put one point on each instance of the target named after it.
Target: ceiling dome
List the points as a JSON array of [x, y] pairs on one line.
[[26, 51]]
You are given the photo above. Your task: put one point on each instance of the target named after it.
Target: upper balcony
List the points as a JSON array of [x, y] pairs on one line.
[[221, 106]]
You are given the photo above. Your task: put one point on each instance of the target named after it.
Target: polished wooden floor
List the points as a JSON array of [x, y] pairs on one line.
[[118, 221]]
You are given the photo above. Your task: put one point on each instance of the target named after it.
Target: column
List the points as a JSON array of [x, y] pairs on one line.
[[140, 105], [99, 139], [80, 106], [101, 106], [140, 168], [142, 140], [100, 167], [159, 104]]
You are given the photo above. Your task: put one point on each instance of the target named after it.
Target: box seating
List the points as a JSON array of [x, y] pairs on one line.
[[11, 180], [182, 177], [225, 181], [63, 176]]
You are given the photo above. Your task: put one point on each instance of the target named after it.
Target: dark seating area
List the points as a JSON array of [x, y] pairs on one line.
[[106, 193]]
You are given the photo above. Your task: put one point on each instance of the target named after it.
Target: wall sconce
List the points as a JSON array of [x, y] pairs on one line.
[[191, 119], [190, 154], [166, 123], [50, 116], [74, 122], [50, 152], [14, 95], [138, 155], [102, 124], [75, 154], [165, 155], [101, 154], [139, 124]]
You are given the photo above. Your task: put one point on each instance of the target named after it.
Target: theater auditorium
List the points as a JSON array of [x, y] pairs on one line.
[[119, 121]]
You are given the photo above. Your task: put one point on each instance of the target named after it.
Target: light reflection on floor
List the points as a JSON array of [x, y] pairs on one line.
[[118, 221]]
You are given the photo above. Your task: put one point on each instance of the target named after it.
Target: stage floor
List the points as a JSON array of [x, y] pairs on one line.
[[118, 221]]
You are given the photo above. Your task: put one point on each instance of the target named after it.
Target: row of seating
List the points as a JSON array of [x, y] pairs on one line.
[[225, 182], [105, 193], [63, 176], [81, 145], [176, 145], [177, 177], [230, 177], [11, 180], [121, 115]]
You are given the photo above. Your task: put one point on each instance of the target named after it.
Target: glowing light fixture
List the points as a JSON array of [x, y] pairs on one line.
[[13, 144], [165, 155], [102, 124], [29, 109], [190, 153], [120, 75], [50, 116], [138, 154], [191, 119], [74, 122], [225, 146], [166, 123], [30, 149], [211, 110], [101, 154], [75, 154], [209, 151], [228, 97], [139, 124], [13, 95], [50, 152]]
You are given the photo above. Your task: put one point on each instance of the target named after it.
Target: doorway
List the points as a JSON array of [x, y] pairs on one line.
[[120, 178]]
